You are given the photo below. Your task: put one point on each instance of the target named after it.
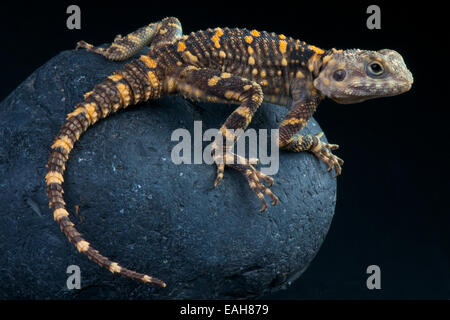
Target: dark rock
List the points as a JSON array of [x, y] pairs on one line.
[[139, 208]]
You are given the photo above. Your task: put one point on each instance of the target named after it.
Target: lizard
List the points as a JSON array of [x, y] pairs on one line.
[[224, 65]]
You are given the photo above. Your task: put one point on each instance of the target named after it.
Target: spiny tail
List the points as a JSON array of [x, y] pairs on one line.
[[137, 81]]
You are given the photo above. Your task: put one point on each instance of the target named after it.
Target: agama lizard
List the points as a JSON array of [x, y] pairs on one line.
[[228, 66]]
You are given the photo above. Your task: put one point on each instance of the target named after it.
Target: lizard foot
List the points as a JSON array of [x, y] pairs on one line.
[[84, 45], [253, 176], [89, 47], [322, 151]]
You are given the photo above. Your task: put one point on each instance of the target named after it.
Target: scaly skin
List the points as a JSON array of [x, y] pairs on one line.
[[232, 66]]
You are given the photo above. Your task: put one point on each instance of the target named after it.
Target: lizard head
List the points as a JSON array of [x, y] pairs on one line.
[[352, 76]]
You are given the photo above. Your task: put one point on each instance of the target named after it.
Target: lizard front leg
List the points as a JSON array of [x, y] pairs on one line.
[[159, 33], [289, 138], [213, 85]]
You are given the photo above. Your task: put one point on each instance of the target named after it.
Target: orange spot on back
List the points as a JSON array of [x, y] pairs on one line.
[[216, 37], [115, 77], [181, 46], [149, 62], [283, 46], [315, 49], [213, 81]]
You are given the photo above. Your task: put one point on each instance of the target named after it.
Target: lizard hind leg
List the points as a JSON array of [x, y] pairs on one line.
[[216, 86], [159, 33]]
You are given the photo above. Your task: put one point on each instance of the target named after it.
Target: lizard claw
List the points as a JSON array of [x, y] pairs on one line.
[[258, 187], [219, 176], [266, 178], [264, 207], [324, 154], [253, 176], [83, 44]]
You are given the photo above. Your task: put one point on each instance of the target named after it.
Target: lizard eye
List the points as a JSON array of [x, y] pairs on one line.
[[339, 75], [375, 69]]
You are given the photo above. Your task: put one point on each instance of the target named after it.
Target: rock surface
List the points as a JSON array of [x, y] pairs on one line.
[[140, 209]]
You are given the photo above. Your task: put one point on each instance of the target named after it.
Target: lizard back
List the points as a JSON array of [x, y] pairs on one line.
[[269, 59]]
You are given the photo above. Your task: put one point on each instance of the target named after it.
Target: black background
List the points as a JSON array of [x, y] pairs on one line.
[[392, 203]]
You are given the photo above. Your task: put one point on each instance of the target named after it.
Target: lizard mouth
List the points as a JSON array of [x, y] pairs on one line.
[[358, 92]]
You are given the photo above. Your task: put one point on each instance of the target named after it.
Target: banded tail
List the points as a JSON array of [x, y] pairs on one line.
[[138, 81]]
